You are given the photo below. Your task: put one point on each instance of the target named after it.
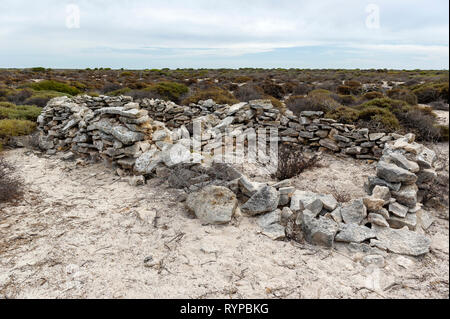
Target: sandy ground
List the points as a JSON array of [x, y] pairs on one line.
[[83, 233]]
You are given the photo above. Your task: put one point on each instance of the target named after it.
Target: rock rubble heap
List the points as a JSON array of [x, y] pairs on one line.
[[135, 138]]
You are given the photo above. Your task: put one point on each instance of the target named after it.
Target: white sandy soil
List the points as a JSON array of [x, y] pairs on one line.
[[83, 233]]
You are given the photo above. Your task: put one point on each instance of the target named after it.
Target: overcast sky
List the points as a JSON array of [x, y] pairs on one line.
[[399, 34]]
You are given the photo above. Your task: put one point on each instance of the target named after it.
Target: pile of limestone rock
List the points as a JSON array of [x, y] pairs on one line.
[[386, 219], [125, 134]]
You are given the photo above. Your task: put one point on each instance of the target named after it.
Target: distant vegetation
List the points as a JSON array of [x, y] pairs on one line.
[[378, 98]]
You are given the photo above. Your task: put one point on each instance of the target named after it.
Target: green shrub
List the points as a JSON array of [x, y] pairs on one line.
[[38, 69], [380, 115], [16, 127], [242, 79], [444, 133], [169, 90], [346, 99], [394, 106], [127, 73], [431, 92], [344, 90], [41, 98], [219, 96], [118, 92], [343, 114], [373, 95], [403, 95], [19, 112], [272, 89], [50, 85]]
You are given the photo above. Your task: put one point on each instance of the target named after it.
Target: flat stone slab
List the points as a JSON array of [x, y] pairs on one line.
[[353, 233], [403, 241]]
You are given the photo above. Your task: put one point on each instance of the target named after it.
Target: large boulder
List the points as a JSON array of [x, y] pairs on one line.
[[213, 204]]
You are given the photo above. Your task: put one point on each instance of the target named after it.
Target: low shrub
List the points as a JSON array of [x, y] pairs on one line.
[[10, 127], [292, 162], [373, 95], [41, 98], [19, 112], [122, 91], [273, 89], [126, 74], [219, 95], [242, 79], [343, 114], [394, 106], [431, 92], [10, 187], [344, 90], [169, 90], [19, 96], [383, 117], [38, 69], [423, 124], [403, 95], [110, 87], [347, 100], [248, 92], [440, 105], [50, 85]]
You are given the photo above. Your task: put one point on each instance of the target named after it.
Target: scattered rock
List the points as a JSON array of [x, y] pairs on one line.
[[353, 233], [394, 174], [318, 231], [354, 213], [213, 204], [398, 210], [377, 219], [403, 241], [264, 200]]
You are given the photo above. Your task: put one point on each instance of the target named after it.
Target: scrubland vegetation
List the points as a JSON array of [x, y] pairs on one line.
[[385, 99]]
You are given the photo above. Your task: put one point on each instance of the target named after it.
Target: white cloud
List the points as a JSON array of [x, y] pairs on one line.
[[229, 28]]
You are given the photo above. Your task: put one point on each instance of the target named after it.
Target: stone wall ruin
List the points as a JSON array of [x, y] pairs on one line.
[[140, 137]]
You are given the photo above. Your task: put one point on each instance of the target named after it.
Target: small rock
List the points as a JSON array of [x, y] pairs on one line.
[[136, 180], [409, 221], [407, 195], [377, 220], [394, 174], [318, 231], [381, 192], [398, 210], [373, 204], [353, 233], [355, 212], [315, 207], [264, 200], [424, 219]]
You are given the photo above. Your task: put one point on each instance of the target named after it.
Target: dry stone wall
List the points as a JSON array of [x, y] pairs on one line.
[[135, 137]]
